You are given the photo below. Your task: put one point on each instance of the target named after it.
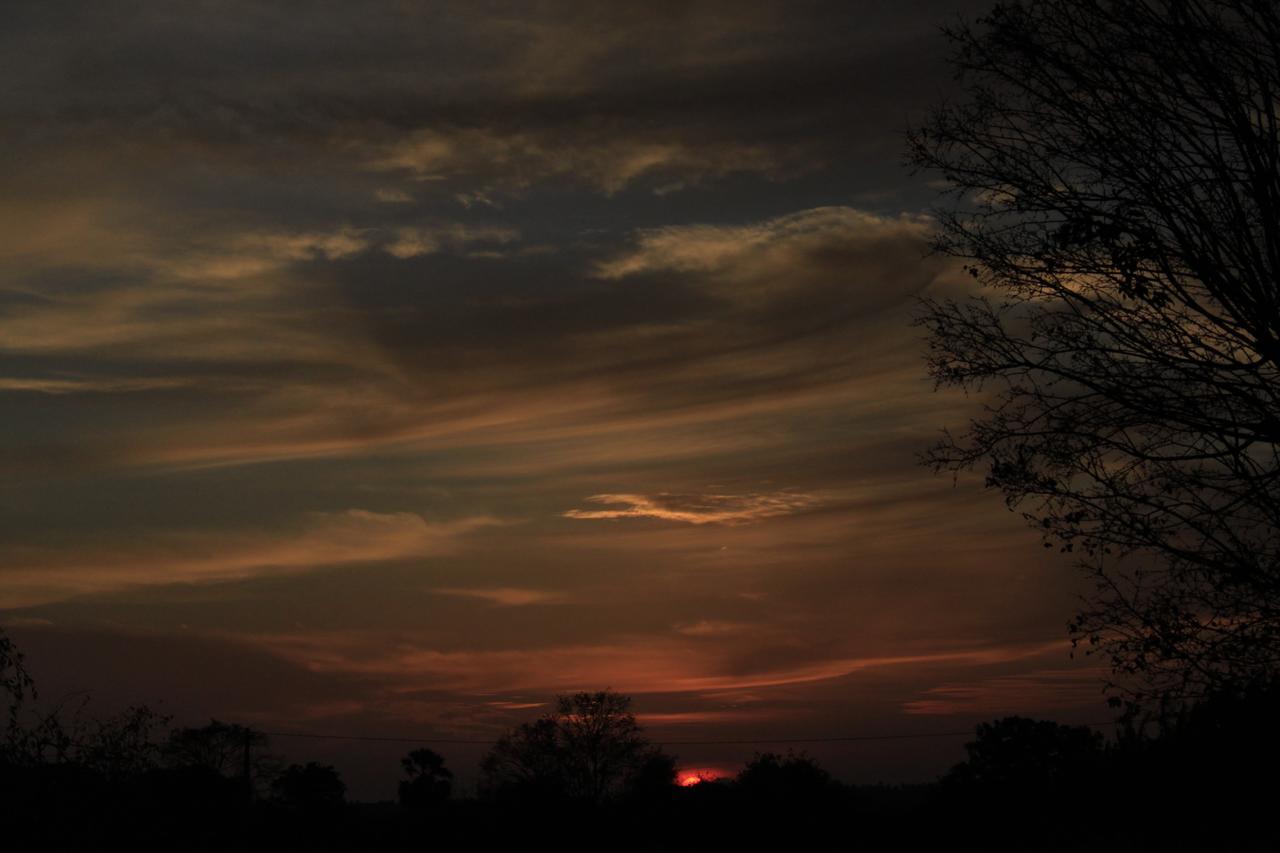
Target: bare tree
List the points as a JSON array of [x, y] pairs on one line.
[[1115, 192], [590, 749], [231, 750]]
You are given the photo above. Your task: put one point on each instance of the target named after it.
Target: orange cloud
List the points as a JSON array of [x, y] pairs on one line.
[[325, 539], [506, 596], [698, 509], [413, 241], [105, 385], [717, 716], [633, 665], [709, 628], [820, 247]]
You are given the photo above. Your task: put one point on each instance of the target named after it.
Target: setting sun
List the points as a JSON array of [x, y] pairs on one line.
[[697, 775]]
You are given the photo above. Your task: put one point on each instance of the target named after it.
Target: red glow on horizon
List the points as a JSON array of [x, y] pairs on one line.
[[696, 776]]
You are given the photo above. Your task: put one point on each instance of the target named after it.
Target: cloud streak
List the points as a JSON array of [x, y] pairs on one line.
[[323, 540], [643, 665], [506, 596], [1040, 691], [698, 509]]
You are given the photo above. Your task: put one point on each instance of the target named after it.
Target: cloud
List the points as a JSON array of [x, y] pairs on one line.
[[1024, 693], [515, 706], [633, 665], [502, 97], [498, 159], [415, 241], [710, 628], [717, 717], [103, 385], [38, 575], [312, 359], [699, 509], [253, 253], [506, 596], [828, 253]]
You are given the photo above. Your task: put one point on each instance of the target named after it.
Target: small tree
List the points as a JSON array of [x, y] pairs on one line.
[[589, 749], [429, 782], [1115, 167]]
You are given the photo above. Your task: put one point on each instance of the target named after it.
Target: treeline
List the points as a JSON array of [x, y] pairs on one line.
[[1200, 778], [1203, 779]]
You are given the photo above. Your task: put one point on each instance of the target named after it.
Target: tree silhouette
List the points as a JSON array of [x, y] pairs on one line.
[[125, 745], [590, 749], [15, 686], [1029, 755], [310, 787], [1116, 193], [115, 747], [653, 780], [429, 782], [228, 749], [791, 781]]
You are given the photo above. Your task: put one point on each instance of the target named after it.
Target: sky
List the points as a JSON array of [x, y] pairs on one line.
[[388, 368]]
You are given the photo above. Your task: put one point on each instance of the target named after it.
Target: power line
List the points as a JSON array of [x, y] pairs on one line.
[[719, 742]]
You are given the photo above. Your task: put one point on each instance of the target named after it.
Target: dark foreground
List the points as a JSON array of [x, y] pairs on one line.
[[1208, 782]]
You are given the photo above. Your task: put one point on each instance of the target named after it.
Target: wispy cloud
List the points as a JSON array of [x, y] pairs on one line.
[[411, 242], [698, 508], [506, 596], [500, 159], [636, 665], [710, 628], [839, 250], [356, 536], [1023, 693], [102, 385]]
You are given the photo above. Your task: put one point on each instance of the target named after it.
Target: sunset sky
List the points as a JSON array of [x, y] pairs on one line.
[[386, 368]]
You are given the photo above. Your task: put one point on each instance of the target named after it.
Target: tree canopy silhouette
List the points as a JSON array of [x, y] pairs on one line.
[[1030, 755], [1115, 192], [590, 749], [310, 787], [794, 781], [228, 749], [429, 782]]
